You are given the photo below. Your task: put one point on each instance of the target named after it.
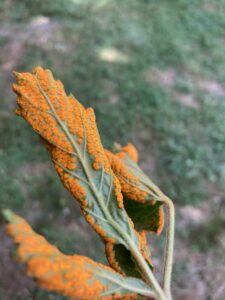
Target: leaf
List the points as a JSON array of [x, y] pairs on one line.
[[74, 276], [141, 198], [145, 212], [71, 136], [145, 215], [121, 260]]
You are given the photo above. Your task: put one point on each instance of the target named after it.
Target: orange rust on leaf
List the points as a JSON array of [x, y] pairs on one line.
[[70, 275], [130, 188], [95, 147], [161, 221], [129, 183], [44, 104], [143, 247], [64, 123], [111, 257], [130, 150], [118, 193]]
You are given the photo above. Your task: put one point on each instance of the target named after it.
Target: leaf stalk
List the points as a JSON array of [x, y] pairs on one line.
[[169, 248]]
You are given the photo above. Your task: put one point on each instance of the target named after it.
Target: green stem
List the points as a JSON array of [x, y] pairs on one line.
[[169, 248], [150, 278]]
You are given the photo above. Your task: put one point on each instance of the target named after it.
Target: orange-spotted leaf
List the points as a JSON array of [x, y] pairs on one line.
[[71, 136], [121, 260], [129, 150], [140, 204], [141, 197], [74, 276]]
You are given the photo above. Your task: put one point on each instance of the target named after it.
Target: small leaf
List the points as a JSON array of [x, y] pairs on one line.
[[74, 276], [144, 211], [142, 200], [71, 136]]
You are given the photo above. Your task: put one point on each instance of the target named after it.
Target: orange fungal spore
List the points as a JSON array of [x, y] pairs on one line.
[[94, 145], [129, 183], [69, 131], [161, 221], [73, 276], [130, 150], [111, 257], [143, 245]]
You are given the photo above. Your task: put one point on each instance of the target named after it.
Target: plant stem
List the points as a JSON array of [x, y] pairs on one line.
[[150, 278], [168, 260], [169, 247]]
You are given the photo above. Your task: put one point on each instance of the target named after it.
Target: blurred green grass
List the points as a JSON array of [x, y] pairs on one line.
[[154, 69]]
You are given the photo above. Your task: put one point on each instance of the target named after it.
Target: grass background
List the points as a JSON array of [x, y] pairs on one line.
[[154, 71]]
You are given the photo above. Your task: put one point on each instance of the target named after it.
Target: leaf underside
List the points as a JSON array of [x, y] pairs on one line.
[[72, 139], [140, 204], [141, 200], [126, 262], [70, 275]]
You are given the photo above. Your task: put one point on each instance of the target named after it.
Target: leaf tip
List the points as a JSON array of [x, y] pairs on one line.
[[16, 74], [8, 215]]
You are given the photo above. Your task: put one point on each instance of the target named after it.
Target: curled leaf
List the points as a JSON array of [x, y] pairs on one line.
[[146, 216], [74, 276], [141, 200], [145, 212], [121, 260]]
